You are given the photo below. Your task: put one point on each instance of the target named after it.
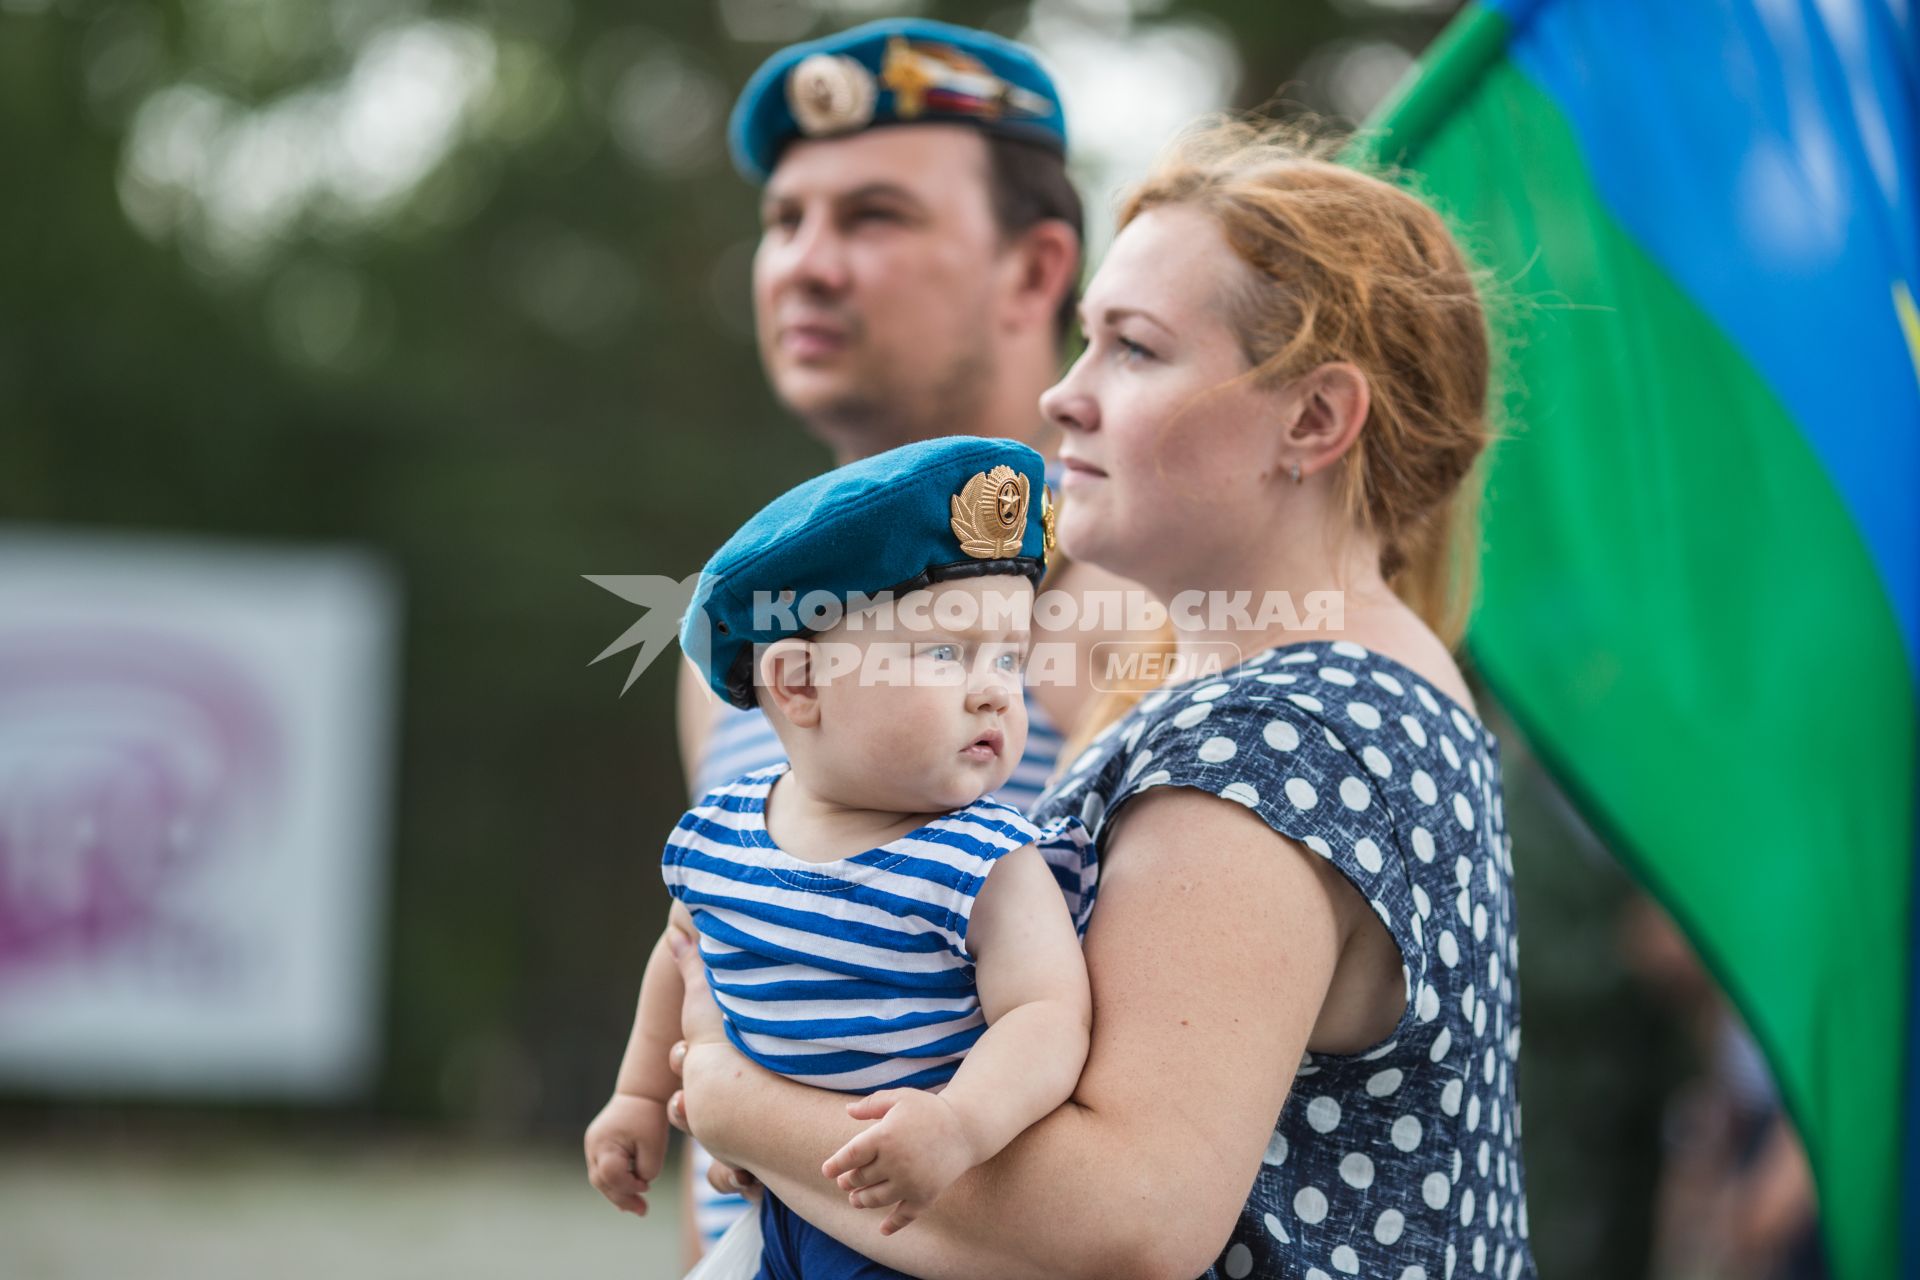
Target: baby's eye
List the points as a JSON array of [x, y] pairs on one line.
[[944, 652], [1009, 662]]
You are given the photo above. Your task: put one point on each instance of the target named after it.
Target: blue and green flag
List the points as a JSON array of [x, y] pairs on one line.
[[1701, 578]]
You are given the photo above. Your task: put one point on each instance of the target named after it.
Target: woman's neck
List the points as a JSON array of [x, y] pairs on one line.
[[1299, 590]]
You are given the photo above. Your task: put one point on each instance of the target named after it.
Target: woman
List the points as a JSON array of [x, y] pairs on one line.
[[1302, 951]]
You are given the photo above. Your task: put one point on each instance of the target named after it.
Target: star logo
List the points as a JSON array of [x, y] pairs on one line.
[[666, 602]]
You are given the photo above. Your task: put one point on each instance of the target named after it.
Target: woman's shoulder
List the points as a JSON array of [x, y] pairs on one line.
[[1321, 695], [1284, 722], [1334, 745]]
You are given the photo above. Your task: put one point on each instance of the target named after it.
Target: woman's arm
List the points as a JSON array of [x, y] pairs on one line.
[[1210, 954]]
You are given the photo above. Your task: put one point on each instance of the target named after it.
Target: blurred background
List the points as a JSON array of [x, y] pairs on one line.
[[338, 340]]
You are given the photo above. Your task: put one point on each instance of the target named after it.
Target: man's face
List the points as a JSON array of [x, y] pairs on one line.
[[875, 280]]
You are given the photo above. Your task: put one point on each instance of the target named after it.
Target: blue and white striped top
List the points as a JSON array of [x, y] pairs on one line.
[[854, 974], [743, 742]]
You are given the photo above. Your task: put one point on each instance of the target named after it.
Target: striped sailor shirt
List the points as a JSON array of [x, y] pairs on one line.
[[851, 975], [743, 742]]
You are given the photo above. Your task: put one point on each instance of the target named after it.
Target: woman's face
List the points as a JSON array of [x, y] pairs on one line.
[[1167, 457]]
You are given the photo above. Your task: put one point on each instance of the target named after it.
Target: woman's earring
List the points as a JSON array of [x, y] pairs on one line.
[[1296, 472]]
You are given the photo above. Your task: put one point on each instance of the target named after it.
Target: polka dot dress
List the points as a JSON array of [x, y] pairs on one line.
[[1402, 1162]]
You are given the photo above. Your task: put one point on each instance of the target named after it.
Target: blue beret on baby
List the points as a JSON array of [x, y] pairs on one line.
[[954, 507], [894, 71]]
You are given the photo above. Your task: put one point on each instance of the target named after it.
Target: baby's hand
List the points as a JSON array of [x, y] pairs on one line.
[[917, 1147], [626, 1145]]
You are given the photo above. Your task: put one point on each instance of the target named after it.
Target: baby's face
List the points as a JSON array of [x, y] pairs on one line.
[[926, 711]]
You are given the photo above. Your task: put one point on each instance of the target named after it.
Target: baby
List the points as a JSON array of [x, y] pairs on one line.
[[870, 918]]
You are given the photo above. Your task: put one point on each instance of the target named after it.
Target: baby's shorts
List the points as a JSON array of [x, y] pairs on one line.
[[795, 1249]]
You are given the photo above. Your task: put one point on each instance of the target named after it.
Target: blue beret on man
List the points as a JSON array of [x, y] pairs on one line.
[[893, 72], [954, 507]]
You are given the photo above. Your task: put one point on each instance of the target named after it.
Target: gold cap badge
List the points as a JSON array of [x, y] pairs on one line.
[[1046, 521], [831, 93], [990, 514], [913, 71]]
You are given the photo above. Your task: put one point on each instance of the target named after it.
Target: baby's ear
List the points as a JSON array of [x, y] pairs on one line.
[[784, 676]]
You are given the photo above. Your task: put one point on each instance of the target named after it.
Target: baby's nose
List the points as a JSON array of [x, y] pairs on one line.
[[993, 691]]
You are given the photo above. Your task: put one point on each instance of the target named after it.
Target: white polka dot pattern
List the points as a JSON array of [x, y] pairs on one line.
[[1402, 1161]]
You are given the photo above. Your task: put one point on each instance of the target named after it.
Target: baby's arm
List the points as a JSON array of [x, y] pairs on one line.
[[626, 1143], [1033, 991]]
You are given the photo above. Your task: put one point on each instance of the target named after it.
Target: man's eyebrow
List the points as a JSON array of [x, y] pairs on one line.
[[879, 190], [876, 190]]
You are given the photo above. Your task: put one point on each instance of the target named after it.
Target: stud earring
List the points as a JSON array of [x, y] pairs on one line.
[[1296, 472]]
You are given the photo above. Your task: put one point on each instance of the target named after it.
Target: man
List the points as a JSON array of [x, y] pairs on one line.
[[909, 283]]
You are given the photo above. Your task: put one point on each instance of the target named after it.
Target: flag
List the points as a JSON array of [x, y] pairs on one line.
[[1701, 567]]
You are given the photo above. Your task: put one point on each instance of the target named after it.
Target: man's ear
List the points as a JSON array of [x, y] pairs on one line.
[[785, 675], [1046, 263], [1326, 407]]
